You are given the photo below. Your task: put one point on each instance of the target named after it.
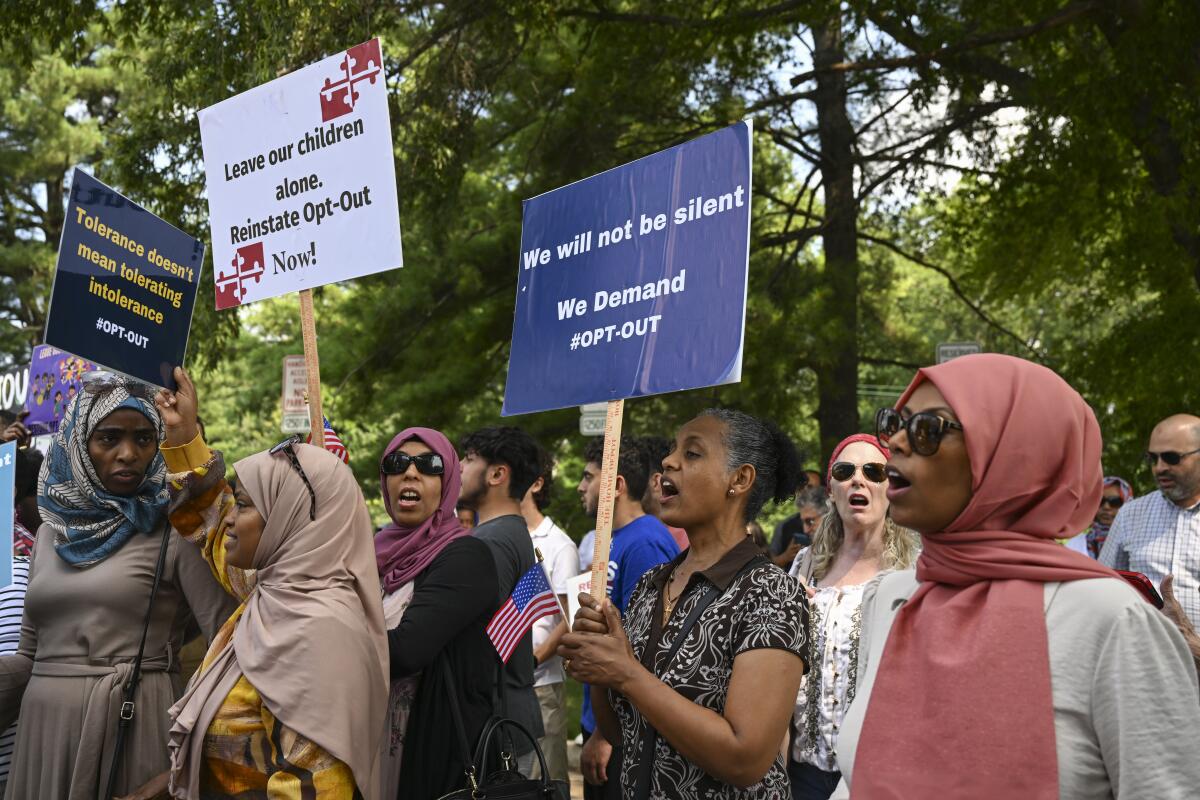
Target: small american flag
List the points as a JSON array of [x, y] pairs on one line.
[[333, 442], [532, 599]]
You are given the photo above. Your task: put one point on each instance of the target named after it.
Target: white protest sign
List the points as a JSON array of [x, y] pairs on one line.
[[580, 583], [295, 382], [301, 180]]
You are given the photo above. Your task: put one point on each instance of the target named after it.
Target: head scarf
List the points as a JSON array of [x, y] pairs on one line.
[[869, 438], [311, 638], [964, 680], [1097, 534], [89, 522], [401, 552]]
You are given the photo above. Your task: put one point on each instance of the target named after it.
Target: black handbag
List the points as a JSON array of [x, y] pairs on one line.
[[505, 783]]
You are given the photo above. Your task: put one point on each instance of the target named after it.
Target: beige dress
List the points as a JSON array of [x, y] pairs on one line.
[[79, 635]]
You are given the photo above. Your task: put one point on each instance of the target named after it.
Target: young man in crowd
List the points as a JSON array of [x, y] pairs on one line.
[[560, 559], [639, 542], [498, 467], [658, 448]]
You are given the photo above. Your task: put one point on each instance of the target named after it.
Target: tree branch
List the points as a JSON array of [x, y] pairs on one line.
[[604, 15], [954, 287], [1061, 17]]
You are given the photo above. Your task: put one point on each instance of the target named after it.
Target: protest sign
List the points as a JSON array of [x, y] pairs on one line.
[[633, 282], [14, 384], [55, 377], [8, 477], [580, 583], [295, 410], [301, 180], [125, 285]]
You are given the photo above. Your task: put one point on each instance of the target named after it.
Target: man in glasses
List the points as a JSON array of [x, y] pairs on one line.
[[498, 467], [1159, 534]]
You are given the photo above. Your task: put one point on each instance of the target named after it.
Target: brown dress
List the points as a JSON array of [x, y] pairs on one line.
[[79, 636]]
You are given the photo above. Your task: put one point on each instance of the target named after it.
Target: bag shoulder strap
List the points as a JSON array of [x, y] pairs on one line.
[[460, 729], [128, 707], [641, 789]]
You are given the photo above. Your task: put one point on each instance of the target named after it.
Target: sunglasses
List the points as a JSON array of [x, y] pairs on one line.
[[925, 430], [1112, 502], [100, 382], [1170, 457], [844, 471], [396, 463], [288, 448]]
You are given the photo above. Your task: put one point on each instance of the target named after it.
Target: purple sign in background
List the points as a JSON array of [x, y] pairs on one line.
[[55, 377]]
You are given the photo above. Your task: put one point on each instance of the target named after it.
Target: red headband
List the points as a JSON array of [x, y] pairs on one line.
[[869, 438]]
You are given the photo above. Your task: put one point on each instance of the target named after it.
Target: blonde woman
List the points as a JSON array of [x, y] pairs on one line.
[[854, 543]]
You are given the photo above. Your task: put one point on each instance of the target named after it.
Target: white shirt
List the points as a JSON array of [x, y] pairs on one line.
[[1155, 537], [587, 548], [560, 559], [834, 620]]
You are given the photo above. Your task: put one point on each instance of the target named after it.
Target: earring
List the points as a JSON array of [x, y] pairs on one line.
[[731, 492]]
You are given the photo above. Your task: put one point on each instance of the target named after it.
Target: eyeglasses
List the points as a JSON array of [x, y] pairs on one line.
[[396, 463], [287, 447], [1112, 502], [1170, 457], [925, 430], [844, 471]]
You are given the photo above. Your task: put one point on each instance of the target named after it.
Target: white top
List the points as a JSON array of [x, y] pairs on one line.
[[834, 621], [1155, 537], [1123, 683], [560, 559], [1078, 544], [587, 549]]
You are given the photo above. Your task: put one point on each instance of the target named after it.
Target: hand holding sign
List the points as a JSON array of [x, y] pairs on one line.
[[179, 410]]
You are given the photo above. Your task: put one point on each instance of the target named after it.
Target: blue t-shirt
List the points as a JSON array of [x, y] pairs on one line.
[[636, 549]]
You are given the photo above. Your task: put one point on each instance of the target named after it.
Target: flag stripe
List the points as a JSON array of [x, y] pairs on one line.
[[546, 607], [512, 621]]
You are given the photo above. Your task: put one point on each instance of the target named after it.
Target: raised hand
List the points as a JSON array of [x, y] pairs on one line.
[[179, 409]]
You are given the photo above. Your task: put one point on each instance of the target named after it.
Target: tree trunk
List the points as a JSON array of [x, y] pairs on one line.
[[837, 370]]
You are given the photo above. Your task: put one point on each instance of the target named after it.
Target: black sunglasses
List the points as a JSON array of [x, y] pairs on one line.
[[925, 430], [1170, 457], [1112, 502], [844, 471], [396, 463], [287, 447]]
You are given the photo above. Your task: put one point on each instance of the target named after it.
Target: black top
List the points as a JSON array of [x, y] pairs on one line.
[[512, 548], [761, 607], [453, 601], [791, 529]]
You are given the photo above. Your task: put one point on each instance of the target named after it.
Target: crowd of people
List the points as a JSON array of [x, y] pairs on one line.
[[962, 605]]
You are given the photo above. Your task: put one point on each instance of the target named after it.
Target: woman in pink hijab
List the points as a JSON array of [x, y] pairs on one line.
[[1007, 665], [440, 590]]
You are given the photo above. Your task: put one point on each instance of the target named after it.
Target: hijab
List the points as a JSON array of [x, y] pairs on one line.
[[89, 522], [403, 552], [311, 637], [964, 680], [1098, 534]]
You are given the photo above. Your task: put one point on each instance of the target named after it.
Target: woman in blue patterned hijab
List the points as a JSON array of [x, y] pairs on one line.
[[96, 489]]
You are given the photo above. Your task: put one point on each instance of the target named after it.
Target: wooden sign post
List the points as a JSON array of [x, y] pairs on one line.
[[608, 491], [312, 363]]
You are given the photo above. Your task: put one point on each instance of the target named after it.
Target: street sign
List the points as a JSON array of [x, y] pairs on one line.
[[591, 419], [950, 350], [295, 382]]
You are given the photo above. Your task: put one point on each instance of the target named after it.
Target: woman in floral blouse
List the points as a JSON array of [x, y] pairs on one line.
[[699, 682]]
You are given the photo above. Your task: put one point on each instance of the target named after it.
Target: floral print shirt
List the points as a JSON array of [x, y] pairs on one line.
[[759, 607]]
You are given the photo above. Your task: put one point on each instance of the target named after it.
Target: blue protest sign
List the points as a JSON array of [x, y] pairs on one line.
[[633, 282], [125, 285], [8, 477]]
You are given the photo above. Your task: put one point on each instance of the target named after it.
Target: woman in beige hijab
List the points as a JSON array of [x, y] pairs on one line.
[[290, 699]]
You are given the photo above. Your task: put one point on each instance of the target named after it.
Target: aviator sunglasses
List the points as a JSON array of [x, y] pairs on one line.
[[396, 463], [925, 430], [1170, 457], [844, 471]]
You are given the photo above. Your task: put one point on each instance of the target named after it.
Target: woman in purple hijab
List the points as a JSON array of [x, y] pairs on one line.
[[440, 590]]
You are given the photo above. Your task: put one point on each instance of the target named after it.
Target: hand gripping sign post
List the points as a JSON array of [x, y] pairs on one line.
[[125, 285], [302, 188], [633, 283]]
